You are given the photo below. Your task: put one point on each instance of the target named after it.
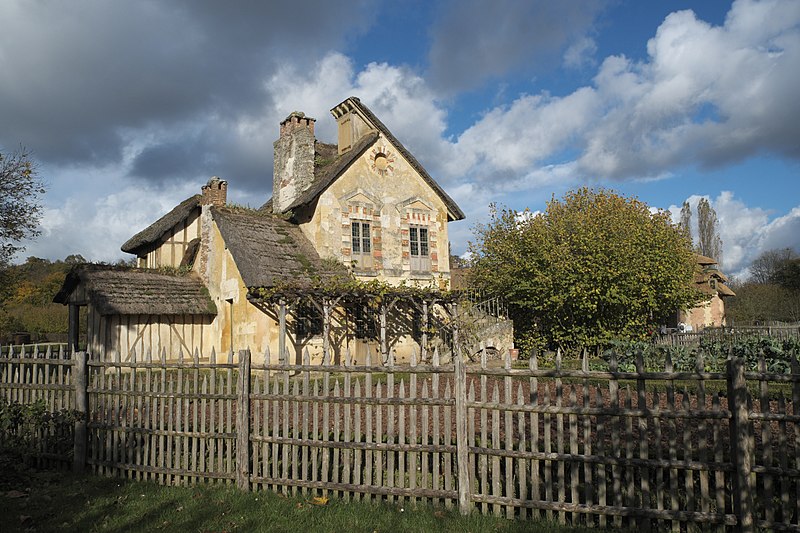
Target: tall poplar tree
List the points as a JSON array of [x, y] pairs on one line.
[[708, 239], [686, 218]]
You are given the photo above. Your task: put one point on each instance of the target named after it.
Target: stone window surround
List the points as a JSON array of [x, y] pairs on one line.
[[368, 211], [420, 218]]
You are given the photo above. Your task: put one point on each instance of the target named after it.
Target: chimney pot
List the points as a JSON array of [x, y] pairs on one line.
[[215, 192]]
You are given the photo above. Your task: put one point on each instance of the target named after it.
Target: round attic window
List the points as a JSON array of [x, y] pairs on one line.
[[381, 162]]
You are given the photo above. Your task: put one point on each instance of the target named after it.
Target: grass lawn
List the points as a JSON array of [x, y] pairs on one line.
[[58, 501]]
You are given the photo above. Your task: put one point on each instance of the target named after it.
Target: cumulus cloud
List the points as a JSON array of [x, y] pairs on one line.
[[747, 231], [81, 77], [95, 225], [706, 96], [474, 39]]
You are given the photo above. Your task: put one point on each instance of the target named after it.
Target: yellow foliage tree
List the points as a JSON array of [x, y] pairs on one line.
[[593, 268]]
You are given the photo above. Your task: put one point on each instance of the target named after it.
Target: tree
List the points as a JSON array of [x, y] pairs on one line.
[[686, 218], [788, 276], [762, 303], [708, 239], [594, 267], [766, 268], [20, 210]]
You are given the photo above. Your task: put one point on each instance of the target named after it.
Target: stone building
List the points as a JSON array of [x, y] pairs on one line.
[[710, 281], [212, 275]]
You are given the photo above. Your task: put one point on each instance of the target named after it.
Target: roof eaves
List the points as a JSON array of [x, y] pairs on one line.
[[154, 231], [333, 171], [455, 212]]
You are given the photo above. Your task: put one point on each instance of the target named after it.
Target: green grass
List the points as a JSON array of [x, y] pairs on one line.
[[57, 501]]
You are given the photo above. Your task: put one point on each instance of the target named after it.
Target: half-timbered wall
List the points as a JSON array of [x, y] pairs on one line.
[[172, 245], [122, 334]]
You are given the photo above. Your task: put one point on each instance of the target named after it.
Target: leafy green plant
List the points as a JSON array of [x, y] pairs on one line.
[[28, 429]]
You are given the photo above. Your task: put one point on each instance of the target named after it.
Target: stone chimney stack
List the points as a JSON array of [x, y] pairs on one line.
[[215, 192], [293, 171]]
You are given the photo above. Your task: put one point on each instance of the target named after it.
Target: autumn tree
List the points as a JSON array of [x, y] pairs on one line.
[[771, 293], [594, 267], [20, 208]]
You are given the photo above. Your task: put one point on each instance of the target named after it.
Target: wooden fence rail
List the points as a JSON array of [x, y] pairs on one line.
[[646, 449]]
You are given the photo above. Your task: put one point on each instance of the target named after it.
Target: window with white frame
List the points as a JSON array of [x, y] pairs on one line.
[[361, 243], [418, 249]]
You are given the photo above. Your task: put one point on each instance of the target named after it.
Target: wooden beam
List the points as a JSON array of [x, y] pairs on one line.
[[282, 332], [74, 327], [326, 331]]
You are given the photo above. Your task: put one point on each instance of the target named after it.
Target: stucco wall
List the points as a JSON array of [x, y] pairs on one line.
[[711, 313], [392, 200]]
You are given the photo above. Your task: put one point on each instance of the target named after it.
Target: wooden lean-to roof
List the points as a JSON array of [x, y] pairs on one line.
[[270, 251], [133, 291], [157, 229]]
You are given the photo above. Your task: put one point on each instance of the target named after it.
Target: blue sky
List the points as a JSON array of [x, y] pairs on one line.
[[130, 106]]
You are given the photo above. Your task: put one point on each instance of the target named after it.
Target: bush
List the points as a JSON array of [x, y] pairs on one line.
[[27, 430]]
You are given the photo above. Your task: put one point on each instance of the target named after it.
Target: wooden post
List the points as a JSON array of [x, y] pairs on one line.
[[243, 422], [454, 314], [80, 380], [741, 446], [384, 345], [424, 347], [73, 328], [462, 449], [326, 331], [282, 333]]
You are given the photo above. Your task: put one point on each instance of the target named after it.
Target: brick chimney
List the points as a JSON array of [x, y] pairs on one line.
[[293, 171], [215, 192]]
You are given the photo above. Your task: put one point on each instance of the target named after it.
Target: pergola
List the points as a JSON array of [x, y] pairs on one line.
[[436, 310]]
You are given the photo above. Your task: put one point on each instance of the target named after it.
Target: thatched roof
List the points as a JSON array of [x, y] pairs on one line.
[[154, 231], [327, 169], [706, 271], [704, 260], [131, 291], [270, 251]]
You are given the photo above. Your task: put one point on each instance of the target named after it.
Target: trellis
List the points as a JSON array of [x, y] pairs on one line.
[[435, 307]]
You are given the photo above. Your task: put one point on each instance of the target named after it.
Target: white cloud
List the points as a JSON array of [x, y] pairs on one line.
[[581, 53], [706, 96], [95, 225], [747, 231]]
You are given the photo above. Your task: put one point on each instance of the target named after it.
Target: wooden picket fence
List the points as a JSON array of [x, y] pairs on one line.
[[728, 335], [652, 450]]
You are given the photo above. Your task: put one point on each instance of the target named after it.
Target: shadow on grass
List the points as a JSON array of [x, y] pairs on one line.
[[57, 501]]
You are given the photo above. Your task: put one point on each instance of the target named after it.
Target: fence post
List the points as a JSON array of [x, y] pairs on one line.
[[462, 450], [741, 445], [80, 381], [243, 422]]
